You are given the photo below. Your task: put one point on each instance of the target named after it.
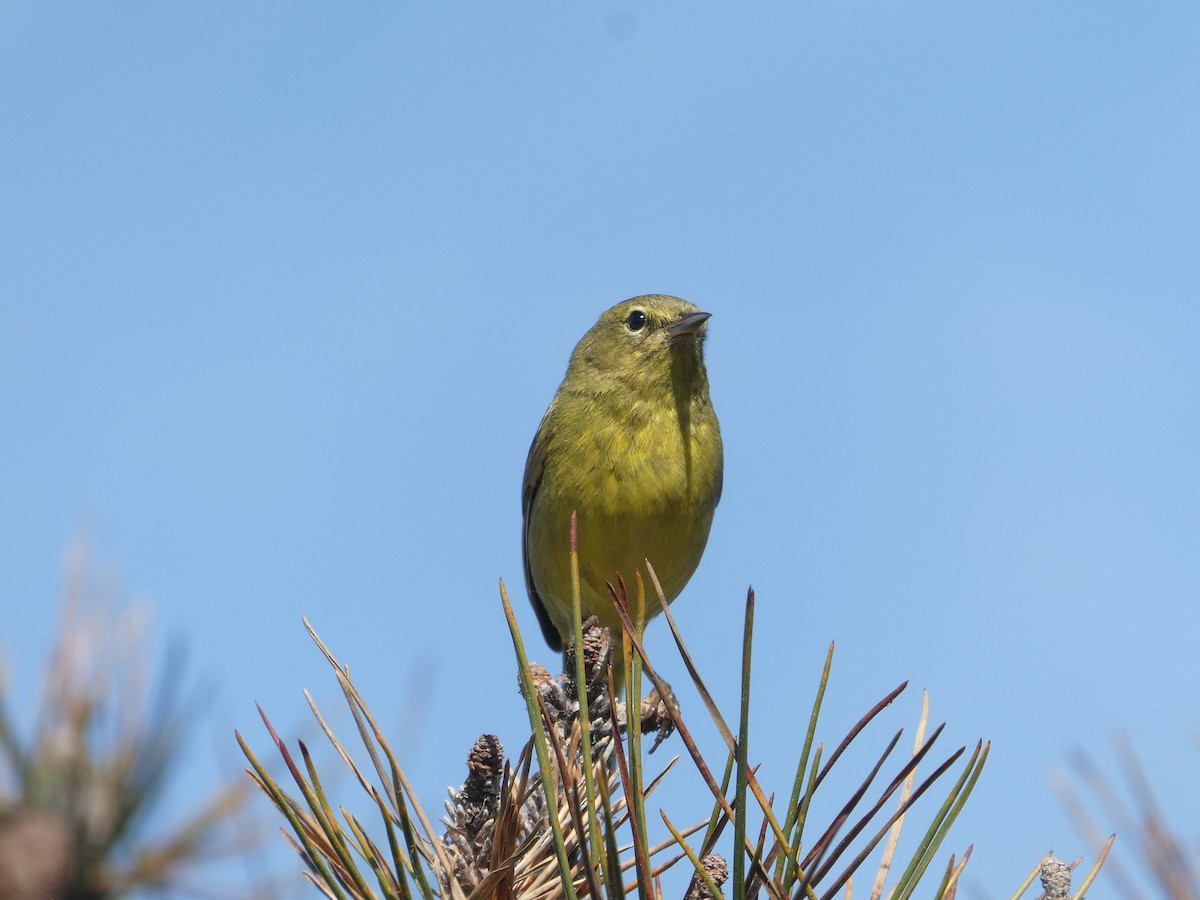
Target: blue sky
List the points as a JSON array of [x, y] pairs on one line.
[[284, 291]]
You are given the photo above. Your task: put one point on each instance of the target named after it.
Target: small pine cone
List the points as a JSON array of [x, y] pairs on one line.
[[716, 869], [656, 715], [485, 770], [1056, 879]]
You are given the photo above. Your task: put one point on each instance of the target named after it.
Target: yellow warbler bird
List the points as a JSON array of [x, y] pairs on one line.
[[631, 445]]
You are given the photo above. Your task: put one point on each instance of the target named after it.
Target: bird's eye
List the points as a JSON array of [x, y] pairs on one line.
[[636, 320]]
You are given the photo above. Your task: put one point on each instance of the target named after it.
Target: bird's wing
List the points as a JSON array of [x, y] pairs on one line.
[[534, 469]]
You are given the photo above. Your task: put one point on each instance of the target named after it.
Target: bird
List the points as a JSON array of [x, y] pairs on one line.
[[631, 445]]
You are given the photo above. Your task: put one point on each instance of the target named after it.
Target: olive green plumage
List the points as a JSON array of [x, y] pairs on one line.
[[630, 443]]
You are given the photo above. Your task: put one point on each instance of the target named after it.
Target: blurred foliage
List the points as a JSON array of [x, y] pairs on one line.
[[75, 795], [1151, 860]]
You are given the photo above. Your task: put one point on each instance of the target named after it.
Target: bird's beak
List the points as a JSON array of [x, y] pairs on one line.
[[688, 325]]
